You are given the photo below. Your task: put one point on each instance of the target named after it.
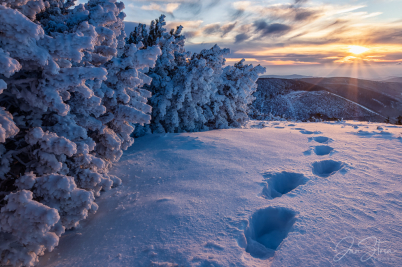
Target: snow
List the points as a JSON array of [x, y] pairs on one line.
[[26, 222], [249, 197], [299, 100], [369, 110]]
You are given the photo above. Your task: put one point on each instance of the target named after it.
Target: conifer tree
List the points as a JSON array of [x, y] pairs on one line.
[[193, 92]]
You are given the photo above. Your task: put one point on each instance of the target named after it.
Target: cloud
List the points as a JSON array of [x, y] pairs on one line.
[[318, 54], [192, 8], [241, 37], [217, 28], [166, 8], [387, 35], [269, 29], [212, 29], [172, 7], [237, 13], [190, 25], [242, 4], [191, 34], [304, 15], [227, 28], [213, 3], [283, 29], [291, 13], [300, 1], [191, 29]]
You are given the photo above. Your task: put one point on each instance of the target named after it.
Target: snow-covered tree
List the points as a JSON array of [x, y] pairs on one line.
[[231, 104], [165, 89], [70, 96], [194, 93]]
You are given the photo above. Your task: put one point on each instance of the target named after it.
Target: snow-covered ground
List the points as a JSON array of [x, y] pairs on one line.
[[275, 193]]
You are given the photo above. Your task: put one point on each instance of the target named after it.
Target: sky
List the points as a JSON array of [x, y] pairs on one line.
[[317, 38]]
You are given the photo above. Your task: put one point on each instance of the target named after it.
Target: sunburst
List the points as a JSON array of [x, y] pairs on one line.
[[357, 49]]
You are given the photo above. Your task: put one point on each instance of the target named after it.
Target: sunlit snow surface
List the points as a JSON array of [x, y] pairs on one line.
[[274, 193]]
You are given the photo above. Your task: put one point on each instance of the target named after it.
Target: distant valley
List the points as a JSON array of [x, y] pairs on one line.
[[328, 98]]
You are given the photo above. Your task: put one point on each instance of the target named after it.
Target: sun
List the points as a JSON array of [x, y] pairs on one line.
[[356, 49]]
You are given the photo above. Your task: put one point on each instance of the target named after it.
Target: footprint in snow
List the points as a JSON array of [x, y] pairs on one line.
[[281, 183], [310, 132], [319, 150], [321, 139], [323, 150], [327, 168], [267, 229]]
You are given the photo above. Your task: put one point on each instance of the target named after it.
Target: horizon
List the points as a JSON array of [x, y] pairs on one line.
[[361, 39]]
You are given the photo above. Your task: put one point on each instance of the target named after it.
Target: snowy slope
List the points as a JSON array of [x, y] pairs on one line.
[[275, 194], [298, 100], [382, 97], [302, 105], [349, 99]]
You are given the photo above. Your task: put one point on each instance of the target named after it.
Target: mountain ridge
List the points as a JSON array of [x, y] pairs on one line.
[[327, 98]]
